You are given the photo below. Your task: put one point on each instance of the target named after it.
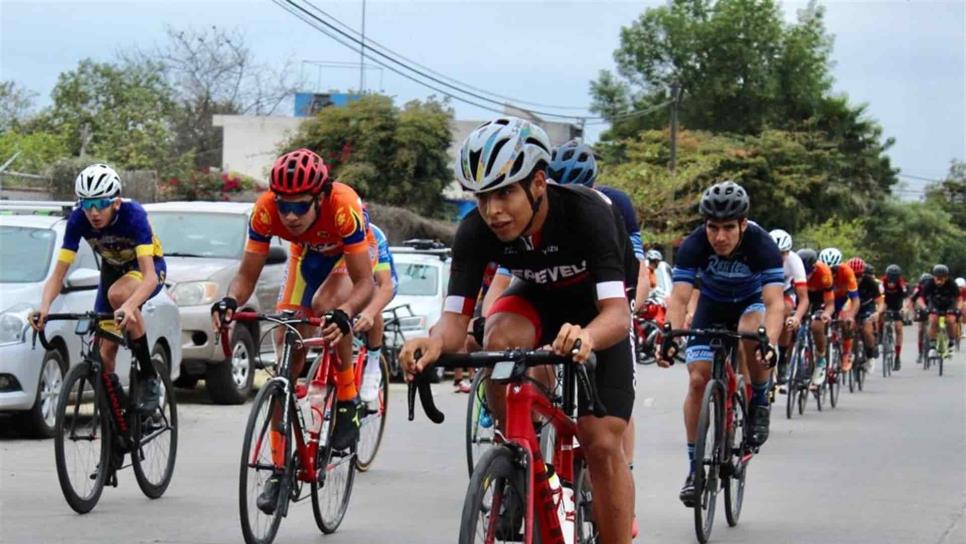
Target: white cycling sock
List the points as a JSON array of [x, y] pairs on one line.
[[372, 362]]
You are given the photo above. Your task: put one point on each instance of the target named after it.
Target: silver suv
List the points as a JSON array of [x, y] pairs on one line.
[[203, 246]]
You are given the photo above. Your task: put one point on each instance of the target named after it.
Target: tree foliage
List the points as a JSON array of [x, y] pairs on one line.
[[15, 105], [391, 155]]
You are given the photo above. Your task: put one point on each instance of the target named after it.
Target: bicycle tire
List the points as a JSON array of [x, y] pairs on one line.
[[70, 405], [734, 483], [330, 487], [270, 398], [373, 425], [803, 391], [585, 527], [708, 454], [167, 416], [791, 386], [888, 349], [475, 438], [495, 470], [834, 385], [942, 347]]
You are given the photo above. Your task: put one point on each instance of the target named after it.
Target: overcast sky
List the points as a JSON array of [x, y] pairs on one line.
[[905, 59]]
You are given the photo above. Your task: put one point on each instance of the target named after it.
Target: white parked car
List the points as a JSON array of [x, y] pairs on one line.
[[203, 245], [423, 276], [30, 378]]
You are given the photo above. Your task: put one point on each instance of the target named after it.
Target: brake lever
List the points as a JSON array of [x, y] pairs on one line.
[[765, 350], [669, 349]]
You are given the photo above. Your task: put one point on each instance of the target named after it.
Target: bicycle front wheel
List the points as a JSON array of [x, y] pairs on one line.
[[82, 438], [157, 443], [734, 482], [374, 421], [707, 460], [495, 506], [791, 385], [480, 425], [335, 473], [265, 452]]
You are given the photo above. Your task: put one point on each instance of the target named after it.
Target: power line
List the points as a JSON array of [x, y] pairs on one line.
[[621, 117], [369, 42], [421, 73], [920, 178]]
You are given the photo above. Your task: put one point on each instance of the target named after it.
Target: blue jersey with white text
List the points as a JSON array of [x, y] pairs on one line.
[[755, 263]]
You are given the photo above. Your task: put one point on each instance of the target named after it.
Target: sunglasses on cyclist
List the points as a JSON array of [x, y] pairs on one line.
[[96, 203], [298, 208]]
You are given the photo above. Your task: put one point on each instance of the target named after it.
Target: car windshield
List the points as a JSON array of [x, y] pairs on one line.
[[218, 235], [417, 279], [25, 254]]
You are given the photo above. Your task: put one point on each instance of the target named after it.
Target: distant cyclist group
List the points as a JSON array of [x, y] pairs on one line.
[[548, 273]]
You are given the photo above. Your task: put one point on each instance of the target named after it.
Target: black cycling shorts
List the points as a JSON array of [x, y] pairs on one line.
[[548, 311]]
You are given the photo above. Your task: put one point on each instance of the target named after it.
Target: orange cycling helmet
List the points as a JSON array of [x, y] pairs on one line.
[[299, 172], [857, 265]]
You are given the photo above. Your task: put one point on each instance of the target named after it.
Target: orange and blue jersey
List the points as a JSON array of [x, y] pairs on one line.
[[340, 229], [845, 286], [820, 283]]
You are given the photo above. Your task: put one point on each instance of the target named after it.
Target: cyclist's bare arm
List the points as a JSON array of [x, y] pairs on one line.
[[611, 324], [498, 286], [448, 335], [360, 271], [643, 286], [380, 298], [680, 304], [801, 292], [51, 290], [692, 306], [773, 297], [243, 284]]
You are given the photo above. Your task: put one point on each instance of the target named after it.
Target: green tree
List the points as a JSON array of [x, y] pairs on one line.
[[15, 105], [391, 155], [950, 194], [120, 113]]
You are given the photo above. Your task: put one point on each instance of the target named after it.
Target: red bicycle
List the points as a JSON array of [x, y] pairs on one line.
[[514, 495], [721, 452], [277, 423]]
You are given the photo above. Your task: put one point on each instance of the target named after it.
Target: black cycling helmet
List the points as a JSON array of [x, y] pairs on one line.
[[893, 272], [926, 276], [940, 271], [809, 258], [725, 200], [869, 270]]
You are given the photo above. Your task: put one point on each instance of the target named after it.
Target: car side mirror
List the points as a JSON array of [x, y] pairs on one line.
[[277, 255], [83, 278]]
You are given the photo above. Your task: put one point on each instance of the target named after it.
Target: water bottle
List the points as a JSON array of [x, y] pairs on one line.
[[563, 496], [314, 401]]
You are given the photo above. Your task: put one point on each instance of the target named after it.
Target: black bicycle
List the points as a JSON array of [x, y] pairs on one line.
[[801, 364], [98, 424], [722, 451]]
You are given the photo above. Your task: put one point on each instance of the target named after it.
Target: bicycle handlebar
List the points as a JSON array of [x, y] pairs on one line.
[[97, 316], [523, 359], [669, 349], [281, 319]]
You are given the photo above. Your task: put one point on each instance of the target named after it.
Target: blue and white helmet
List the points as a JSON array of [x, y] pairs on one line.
[[573, 162], [97, 181], [501, 152], [830, 256]]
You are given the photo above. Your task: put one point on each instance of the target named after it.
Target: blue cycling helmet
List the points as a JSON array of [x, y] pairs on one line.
[[573, 162]]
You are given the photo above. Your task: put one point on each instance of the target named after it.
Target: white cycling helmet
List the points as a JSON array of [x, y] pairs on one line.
[[960, 282], [500, 153], [782, 238], [654, 255], [830, 256], [97, 181]]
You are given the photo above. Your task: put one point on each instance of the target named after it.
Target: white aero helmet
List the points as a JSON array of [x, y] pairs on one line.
[[782, 238], [654, 255], [97, 181], [960, 282], [500, 153], [830, 256]]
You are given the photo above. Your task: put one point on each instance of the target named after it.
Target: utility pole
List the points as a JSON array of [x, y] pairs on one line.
[[362, 51], [675, 94]]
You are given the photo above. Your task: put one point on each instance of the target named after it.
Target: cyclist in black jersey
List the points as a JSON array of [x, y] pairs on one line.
[[569, 251], [941, 296]]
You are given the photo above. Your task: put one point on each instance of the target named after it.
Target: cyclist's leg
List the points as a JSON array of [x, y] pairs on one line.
[[513, 322], [601, 439], [334, 291], [933, 326]]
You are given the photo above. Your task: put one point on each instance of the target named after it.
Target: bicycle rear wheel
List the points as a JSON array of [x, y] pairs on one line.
[[82, 438], [734, 480], [708, 456], [332, 487], [258, 464], [480, 426], [835, 378], [494, 509], [374, 421], [157, 443], [791, 385]]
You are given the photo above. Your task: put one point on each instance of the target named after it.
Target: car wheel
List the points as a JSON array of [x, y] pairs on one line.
[[230, 381], [186, 381], [38, 422]]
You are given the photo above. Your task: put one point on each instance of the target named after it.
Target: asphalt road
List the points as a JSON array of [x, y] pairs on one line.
[[887, 466]]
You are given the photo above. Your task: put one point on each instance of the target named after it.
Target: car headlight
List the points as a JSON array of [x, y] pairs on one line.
[[192, 293], [14, 323], [412, 323]]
